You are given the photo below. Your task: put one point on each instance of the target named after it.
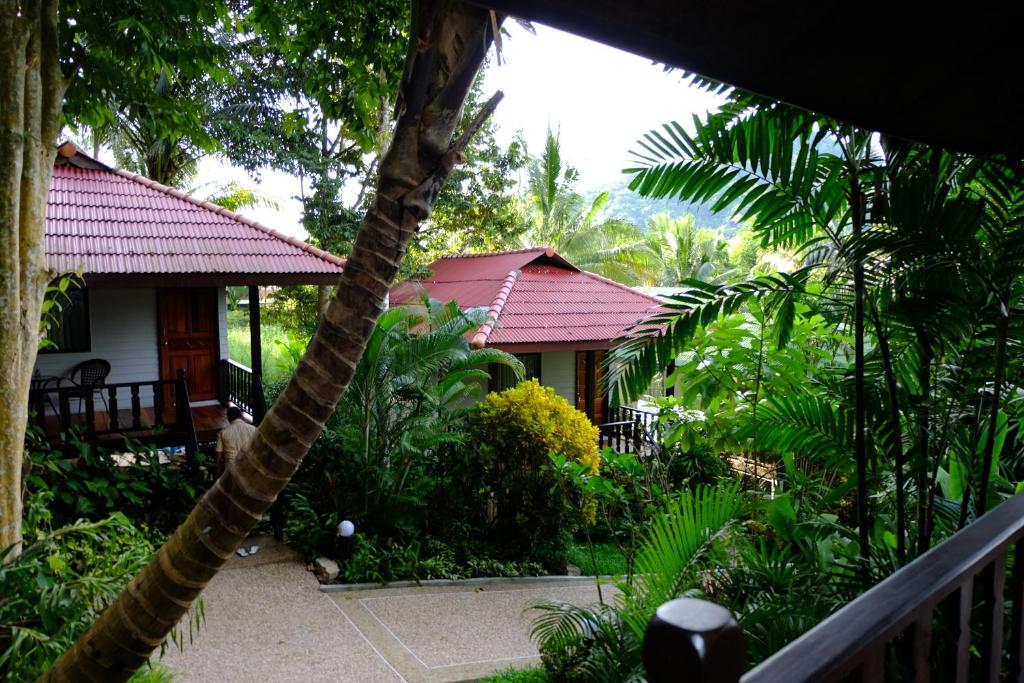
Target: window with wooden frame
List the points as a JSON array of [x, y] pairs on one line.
[[503, 378], [69, 332]]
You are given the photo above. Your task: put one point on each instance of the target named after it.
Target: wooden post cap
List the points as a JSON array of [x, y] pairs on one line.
[[694, 641]]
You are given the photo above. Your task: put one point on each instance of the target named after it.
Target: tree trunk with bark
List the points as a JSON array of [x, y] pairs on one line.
[[31, 95], [448, 44]]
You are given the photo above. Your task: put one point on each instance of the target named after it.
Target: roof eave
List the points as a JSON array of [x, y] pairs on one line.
[[165, 280]]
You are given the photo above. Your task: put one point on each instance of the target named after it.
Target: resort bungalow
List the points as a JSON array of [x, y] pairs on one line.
[[558, 320], [144, 343]]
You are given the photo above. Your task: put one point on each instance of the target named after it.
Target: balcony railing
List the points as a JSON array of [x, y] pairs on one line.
[[104, 410], [954, 614], [627, 429], [244, 388]]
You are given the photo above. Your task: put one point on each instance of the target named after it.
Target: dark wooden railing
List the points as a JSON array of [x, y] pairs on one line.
[[954, 614], [627, 429], [110, 418], [244, 388]]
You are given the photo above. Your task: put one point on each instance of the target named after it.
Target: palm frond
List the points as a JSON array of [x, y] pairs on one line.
[[652, 345], [671, 544]]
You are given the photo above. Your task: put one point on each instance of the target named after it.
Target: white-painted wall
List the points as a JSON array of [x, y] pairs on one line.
[[558, 371], [123, 331]]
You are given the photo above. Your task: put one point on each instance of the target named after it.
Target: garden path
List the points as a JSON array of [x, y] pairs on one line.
[[267, 620]]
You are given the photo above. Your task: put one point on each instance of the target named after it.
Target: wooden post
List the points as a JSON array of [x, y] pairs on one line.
[[255, 340], [694, 641], [183, 419]]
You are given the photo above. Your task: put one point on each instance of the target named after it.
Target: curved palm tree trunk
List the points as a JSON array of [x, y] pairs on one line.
[[448, 44]]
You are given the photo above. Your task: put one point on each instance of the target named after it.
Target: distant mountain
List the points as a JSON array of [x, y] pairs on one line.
[[630, 206]]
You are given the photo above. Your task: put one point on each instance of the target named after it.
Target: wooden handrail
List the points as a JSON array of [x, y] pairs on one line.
[[855, 638]]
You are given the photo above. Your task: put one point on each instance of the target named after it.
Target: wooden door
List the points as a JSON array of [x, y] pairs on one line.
[[589, 397], [189, 339]]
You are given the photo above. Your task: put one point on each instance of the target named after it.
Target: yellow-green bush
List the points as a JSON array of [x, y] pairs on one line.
[[513, 432]]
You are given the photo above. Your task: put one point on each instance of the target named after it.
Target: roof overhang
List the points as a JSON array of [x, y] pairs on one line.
[[164, 280], [946, 77], [542, 347]]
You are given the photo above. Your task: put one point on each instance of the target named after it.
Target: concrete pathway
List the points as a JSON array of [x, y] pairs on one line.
[[268, 621]]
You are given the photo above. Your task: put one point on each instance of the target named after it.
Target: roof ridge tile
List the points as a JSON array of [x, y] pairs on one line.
[[500, 299], [525, 250]]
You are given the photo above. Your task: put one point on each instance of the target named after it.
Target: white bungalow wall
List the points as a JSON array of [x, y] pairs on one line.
[[123, 331]]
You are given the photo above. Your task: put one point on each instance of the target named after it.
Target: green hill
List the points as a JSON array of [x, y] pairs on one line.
[[627, 205]]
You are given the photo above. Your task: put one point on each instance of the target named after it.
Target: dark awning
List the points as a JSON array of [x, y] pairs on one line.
[[947, 75]]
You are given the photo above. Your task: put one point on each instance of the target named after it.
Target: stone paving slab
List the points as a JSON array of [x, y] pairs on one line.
[[268, 621], [441, 634]]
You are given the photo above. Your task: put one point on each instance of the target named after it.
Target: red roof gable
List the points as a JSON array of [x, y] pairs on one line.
[[115, 224], [534, 296]]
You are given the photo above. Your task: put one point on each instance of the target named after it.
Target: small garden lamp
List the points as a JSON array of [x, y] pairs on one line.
[[346, 529]]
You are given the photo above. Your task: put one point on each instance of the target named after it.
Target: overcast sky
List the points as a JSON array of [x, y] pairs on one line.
[[599, 98]]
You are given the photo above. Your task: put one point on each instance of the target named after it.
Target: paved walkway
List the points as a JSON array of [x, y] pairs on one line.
[[268, 621]]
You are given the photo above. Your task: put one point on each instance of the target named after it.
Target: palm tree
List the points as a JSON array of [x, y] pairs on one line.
[[686, 251], [607, 640], [910, 246], [448, 43], [560, 218], [414, 382]]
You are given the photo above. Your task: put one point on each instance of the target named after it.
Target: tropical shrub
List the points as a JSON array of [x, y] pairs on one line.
[[377, 561], [60, 583], [397, 429], [513, 432], [93, 485], [603, 643]]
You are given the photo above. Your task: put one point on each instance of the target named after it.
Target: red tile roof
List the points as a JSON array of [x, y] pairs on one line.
[[112, 223], [533, 296]]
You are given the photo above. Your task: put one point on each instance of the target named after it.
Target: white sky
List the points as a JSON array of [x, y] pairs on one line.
[[601, 99]]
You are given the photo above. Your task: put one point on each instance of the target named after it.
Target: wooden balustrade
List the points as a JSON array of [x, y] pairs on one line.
[[98, 410], [942, 617], [627, 430]]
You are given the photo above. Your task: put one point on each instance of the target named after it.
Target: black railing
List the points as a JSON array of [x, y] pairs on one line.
[[915, 625], [99, 411], [627, 429], [244, 388]]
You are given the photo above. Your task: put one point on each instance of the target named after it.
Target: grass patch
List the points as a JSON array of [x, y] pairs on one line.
[[610, 559], [277, 361], [531, 675]]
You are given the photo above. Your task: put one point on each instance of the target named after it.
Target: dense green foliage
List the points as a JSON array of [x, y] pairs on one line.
[[396, 435], [60, 583], [513, 432], [377, 563], [604, 559], [873, 390], [93, 484], [604, 642], [531, 675]]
